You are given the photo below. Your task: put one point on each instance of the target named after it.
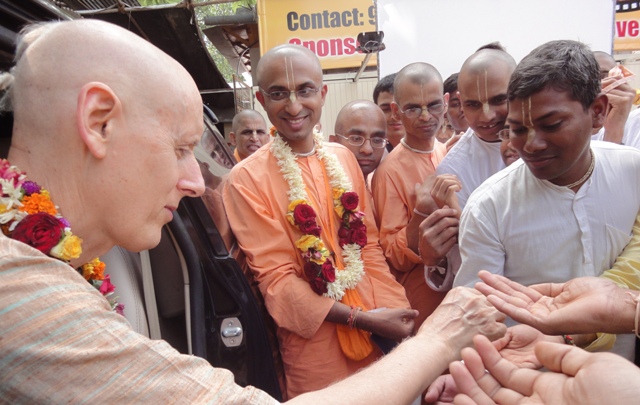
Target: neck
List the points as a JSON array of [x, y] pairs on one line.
[[301, 146], [56, 176], [418, 144], [586, 167]]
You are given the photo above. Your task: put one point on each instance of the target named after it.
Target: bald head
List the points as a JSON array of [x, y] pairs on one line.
[[482, 84], [357, 108], [248, 133], [486, 59], [361, 127], [246, 115], [605, 62], [416, 73], [95, 108], [278, 54], [54, 60]]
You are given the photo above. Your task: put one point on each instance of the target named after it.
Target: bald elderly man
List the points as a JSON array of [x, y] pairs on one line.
[[420, 104], [88, 139], [248, 133]]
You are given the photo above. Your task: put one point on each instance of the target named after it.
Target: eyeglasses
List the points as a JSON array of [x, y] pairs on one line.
[[279, 95], [415, 112], [503, 134], [358, 140]]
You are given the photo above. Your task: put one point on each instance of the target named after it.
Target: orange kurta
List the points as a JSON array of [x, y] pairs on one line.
[[394, 197], [255, 198]]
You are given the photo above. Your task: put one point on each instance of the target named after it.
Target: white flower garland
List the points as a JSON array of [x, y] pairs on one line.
[[350, 276]]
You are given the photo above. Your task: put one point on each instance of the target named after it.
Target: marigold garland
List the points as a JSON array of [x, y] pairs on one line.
[[319, 269], [28, 215]]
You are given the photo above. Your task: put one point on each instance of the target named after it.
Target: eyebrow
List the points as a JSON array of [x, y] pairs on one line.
[[277, 87]]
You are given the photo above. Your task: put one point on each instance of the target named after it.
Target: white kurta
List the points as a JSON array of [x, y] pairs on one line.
[[631, 133], [533, 231], [473, 161]]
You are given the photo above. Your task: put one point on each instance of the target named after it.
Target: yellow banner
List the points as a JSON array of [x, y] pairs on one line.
[[329, 28], [627, 26]]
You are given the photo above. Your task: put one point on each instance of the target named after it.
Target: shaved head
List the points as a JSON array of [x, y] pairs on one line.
[[416, 73], [97, 108], [358, 107], [605, 62], [57, 59], [487, 59], [278, 53], [245, 114], [362, 121]]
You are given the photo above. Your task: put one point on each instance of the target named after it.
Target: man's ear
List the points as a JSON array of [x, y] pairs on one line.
[[323, 92], [446, 102], [260, 97], [97, 106], [232, 138], [599, 110]]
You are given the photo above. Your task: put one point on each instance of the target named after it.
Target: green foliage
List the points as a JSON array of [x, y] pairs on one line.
[[243, 3]]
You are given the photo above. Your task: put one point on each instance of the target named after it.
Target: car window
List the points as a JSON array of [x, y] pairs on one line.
[[215, 160]]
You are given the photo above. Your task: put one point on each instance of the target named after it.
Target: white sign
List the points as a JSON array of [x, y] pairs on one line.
[[445, 32]]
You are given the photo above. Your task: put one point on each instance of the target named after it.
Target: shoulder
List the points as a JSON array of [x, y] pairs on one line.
[[489, 192], [458, 153]]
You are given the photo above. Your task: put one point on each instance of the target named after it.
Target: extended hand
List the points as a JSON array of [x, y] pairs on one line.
[[581, 305], [574, 377], [463, 314], [518, 344]]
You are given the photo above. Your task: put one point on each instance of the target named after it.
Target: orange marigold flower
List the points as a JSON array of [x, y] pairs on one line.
[[93, 270], [37, 202]]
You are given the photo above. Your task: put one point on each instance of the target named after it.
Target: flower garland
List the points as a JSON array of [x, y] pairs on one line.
[[28, 215], [352, 235]]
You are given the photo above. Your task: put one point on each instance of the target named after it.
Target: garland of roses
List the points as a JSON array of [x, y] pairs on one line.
[[28, 215], [352, 235]]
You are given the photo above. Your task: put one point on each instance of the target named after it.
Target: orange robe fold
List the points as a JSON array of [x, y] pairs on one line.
[[394, 196]]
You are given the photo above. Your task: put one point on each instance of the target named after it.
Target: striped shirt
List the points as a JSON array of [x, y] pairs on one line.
[[61, 343]]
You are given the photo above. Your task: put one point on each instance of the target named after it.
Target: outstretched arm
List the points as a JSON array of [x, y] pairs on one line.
[[402, 375]]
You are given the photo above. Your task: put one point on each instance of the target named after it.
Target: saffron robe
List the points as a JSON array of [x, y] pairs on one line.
[[394, 197], [256, 201]]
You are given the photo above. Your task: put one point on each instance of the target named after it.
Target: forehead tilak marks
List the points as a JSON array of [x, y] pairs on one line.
[[485, 104], [530, 131], [291, 82]]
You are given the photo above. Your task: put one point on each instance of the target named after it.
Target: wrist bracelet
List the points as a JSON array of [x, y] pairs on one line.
[[568, 340], [635, 299], [422, 214]]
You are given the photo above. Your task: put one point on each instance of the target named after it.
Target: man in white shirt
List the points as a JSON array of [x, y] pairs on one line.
[[567, 208], [482, 89], [482, 85]]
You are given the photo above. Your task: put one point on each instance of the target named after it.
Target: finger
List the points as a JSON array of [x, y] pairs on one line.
[[442, 214], [561, 358], [517, 313], [519, 381], [471, 378], [435, 389], [507, 286], [462, 399]]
